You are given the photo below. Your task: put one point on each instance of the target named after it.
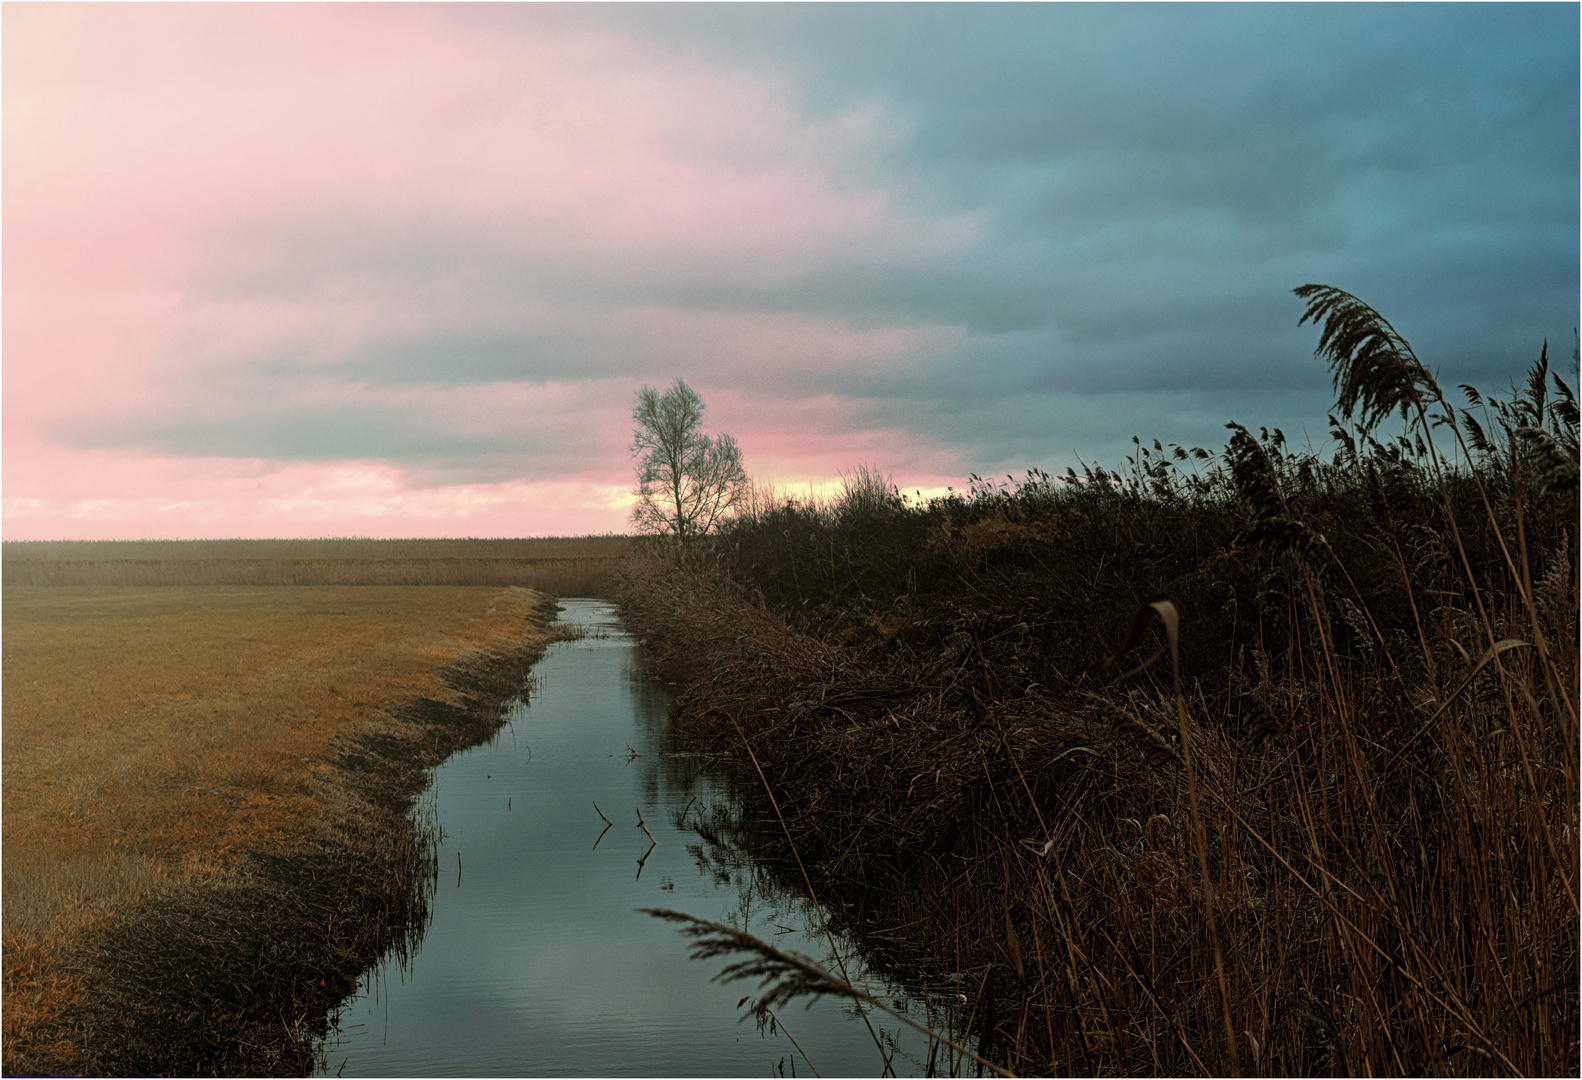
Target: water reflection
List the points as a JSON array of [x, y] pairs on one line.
[[536, 962]]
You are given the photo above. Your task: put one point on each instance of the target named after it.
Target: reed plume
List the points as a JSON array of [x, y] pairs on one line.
[[782, 976], [1375, 371]]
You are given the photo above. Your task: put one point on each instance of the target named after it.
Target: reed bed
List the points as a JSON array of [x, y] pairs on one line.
[[1239, 762]]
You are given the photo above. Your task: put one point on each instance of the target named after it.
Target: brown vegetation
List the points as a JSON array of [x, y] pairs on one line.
[[562, 566], [205, 806], [1329, 827]]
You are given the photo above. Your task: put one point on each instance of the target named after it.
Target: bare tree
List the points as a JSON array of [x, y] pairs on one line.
[[686, 479]]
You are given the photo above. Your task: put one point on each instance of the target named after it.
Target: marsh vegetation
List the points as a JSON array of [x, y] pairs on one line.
[[1259, 761]]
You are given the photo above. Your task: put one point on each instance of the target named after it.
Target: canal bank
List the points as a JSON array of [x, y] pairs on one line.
[[276, 878]]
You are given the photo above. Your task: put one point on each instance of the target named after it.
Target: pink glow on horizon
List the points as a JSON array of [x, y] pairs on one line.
[[206, 498], [110, 496]]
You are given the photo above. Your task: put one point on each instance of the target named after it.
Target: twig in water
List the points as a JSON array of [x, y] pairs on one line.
[[652, 843], [608, 825], [641, 824]]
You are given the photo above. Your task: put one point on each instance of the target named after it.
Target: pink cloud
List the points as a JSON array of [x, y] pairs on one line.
[[214, 215], [194, 116]]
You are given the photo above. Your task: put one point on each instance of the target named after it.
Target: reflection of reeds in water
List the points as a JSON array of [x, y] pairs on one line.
[[652, 843], [608, 825], [771, 893]]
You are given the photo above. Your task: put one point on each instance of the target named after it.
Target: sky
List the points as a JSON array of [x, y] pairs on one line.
[[370, 270]]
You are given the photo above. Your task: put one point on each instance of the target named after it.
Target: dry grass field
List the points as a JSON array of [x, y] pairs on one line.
[[563, 566], [154, 735]]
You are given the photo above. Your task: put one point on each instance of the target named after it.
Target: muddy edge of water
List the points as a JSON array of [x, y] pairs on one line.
[[241, 978]]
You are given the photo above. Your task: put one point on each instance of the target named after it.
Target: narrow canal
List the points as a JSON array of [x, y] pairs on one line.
[[537, 963]]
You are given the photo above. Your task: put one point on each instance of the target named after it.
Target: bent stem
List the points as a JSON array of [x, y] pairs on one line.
[[786, 976]]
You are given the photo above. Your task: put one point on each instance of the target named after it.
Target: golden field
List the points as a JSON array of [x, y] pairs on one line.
[[156, 738], [562, 566]]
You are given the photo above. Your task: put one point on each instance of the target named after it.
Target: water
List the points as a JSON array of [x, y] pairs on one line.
[[536, 962]]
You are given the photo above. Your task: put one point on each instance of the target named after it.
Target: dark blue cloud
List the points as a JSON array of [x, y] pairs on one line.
[[1424, 155], [1145, 184]]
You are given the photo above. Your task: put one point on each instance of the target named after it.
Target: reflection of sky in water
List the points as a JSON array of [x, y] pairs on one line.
[[536, 963]]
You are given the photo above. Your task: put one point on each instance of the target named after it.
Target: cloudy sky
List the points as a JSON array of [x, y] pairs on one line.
[[370, 270]]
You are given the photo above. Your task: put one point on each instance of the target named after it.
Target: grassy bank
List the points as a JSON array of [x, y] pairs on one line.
[[206, 789], [564, 566], [1330, 828]]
